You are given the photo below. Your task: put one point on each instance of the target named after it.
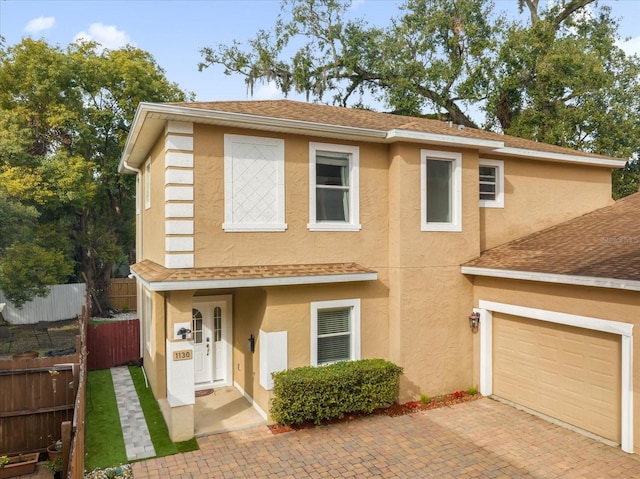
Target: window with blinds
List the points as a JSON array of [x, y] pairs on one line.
[[491, 183], [334, 335]]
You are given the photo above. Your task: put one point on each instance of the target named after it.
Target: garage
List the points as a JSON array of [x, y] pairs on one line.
[[569, 373]]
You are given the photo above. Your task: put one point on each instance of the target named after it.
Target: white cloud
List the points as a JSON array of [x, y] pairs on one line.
[[267, 91], [355, 4], [40, 24], [106, 35], [631, 46]]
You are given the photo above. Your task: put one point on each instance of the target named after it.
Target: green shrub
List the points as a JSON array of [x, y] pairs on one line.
[[329, 392], [472, 391], [425, 398]]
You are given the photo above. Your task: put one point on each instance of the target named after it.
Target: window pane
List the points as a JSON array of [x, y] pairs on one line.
[[333, 321], [333, 348], [332, 170], [332, 204], [439, 191], [217, 324], [488, 182]]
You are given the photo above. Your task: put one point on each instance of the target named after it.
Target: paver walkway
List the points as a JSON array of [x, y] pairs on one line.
[[478, 439], [137, 440]]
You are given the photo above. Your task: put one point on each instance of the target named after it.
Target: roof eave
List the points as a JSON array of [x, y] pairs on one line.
[[561, 157], [593, 281], [187, 285], [441, 139]]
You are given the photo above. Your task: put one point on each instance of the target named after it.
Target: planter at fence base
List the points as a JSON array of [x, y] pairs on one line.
[[26, 355], [19, 465]]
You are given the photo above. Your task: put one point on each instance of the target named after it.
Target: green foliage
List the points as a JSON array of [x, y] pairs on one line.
[[557, 77], [472, 390], [327, 392], [626, 181], [426, 399], [64, 118]]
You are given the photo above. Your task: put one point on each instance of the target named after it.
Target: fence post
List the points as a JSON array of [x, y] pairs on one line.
[[65, 430]]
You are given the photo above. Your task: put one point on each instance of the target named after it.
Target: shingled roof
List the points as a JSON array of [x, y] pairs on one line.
[[602, 244]]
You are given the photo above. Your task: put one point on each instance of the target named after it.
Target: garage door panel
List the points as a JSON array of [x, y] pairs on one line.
[[562, 371]]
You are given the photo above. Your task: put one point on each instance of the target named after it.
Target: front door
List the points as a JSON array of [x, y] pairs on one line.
[[211, 338]]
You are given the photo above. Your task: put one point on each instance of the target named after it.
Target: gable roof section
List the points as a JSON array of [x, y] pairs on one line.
[[286, 116], [158, 278], [601, 248]]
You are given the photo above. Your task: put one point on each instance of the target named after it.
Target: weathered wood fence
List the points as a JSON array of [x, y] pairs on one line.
[[113, 343], [123, 294]]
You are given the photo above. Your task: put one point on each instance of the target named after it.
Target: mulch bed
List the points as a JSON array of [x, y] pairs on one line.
[[391, 411]]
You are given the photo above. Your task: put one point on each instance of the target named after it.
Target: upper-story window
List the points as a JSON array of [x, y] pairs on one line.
[[441, 191], [147, 184], [491, 176], [333, 187], [253, 184]]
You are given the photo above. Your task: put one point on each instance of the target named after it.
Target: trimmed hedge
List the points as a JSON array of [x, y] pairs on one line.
[[329, 392]]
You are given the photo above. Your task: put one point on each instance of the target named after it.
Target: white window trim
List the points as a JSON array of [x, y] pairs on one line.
[[354, 304], [354, 188], [147, 184], [228, 225], [499, 201], [148, 310], [456, 158]]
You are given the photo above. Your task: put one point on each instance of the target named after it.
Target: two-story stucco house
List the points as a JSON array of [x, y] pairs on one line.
[[277, 234]]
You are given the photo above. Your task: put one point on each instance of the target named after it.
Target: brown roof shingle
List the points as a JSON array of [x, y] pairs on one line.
[[603, 244], [367, 119]]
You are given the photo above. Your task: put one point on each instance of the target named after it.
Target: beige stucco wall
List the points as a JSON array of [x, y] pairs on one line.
[[154, 360], [297, 244], [541, 194], [601, 303], [152, 219]]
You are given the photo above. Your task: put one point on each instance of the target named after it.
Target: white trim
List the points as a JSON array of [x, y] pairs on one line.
[[613, 283], [441, 139], [625, 330], [353, 223], [560, 157], [177, 261], [148, 319], [354, 332], [185, 127], [456, 178], [253, 282], [178, 193], [250, 400], [180, 177], [178, 210], [178, 227], [147, 184], [178, 243], [498, 202], [175, 142], [233, 224], [179, 159]]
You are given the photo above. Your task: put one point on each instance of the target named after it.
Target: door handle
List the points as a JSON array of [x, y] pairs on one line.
[[208, 346]]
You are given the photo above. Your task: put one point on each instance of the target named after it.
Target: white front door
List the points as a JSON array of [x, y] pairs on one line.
[[211, 333]]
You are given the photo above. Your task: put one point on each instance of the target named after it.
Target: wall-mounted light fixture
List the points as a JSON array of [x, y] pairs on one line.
[[183, 332], [251, 343], [474, 321]]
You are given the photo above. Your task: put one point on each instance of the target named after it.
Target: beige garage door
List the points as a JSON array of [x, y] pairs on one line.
[[568, 373]]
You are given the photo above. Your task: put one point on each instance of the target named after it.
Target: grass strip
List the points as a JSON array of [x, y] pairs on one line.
[[104, 444], [155, 421]]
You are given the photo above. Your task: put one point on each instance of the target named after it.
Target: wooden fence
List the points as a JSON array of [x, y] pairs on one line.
[[123, 294], [37, 396], [74, 467], [113, 343]]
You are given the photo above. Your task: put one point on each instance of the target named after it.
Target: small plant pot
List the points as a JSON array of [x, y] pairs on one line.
[[53, 453], [19, 465]]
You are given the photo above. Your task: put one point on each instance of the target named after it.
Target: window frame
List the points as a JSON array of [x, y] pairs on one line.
[[147, 184], [353, 223], [498, 202], [456, 190], [354, 340]]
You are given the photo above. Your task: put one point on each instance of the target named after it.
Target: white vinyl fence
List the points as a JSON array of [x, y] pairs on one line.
[[63, 302]]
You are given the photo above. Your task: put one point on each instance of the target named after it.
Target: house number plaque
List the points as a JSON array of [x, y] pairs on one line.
[[182, 355]]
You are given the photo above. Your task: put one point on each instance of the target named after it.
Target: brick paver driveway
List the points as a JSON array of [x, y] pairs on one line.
[[482, 438]]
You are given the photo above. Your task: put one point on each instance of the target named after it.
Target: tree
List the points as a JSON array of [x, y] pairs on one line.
[[558, 77], [64, 118]]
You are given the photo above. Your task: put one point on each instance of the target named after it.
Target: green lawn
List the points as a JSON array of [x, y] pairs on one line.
[[103, 442]]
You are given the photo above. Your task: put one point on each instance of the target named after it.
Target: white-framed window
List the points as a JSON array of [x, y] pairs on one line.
[[491, 177], [147, 184], [441, 190], [334, 181], [147, 319], [253, 184], [335, 331]]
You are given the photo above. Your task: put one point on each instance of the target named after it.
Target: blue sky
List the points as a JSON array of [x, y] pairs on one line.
[[174, 31]]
